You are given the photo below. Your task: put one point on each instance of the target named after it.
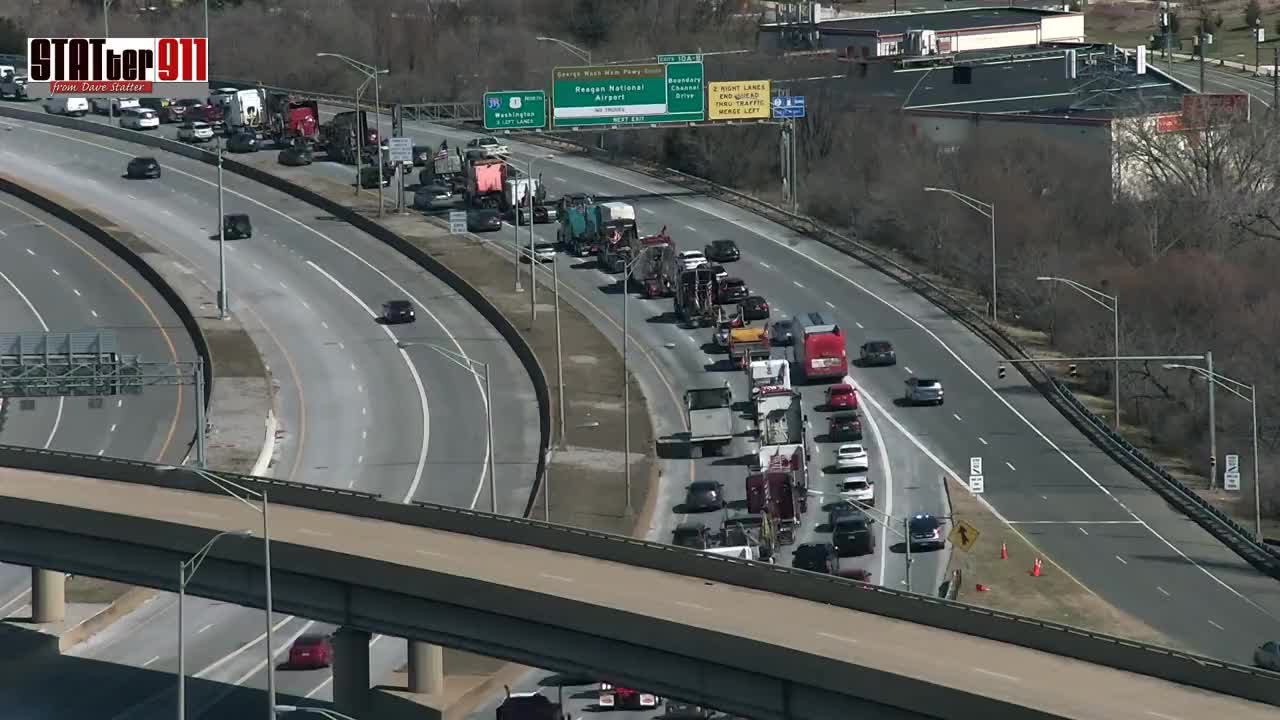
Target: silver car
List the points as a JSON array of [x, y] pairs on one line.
[[1267, 656], [923, 391]]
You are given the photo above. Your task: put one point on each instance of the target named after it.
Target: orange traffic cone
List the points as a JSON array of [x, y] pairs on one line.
[[1004, 552], [982, 588], [1035, 569]]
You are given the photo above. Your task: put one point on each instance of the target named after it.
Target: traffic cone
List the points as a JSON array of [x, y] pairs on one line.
[[1004, 552], [982, 588], [1035, 569]]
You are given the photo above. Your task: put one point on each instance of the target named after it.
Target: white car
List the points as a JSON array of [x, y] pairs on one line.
[[113, 106], [860, 490], [71, 106], [139, 119], [195, 131], [852, 457], [544, 252], [692, 259], [489, 144]]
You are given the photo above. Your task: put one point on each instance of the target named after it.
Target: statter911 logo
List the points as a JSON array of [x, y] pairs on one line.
[[118, 67]]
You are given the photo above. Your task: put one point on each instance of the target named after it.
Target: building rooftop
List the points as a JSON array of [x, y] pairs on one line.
[[940, 20]]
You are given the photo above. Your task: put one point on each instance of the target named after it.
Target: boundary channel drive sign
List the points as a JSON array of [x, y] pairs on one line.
[[662, 92], [742, 100], [515, 110]]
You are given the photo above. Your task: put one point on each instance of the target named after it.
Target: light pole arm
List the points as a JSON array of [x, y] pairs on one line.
[[582, 54], [1235, 387], [983, 208], [192, 565], [362, 67], [1096, 296]]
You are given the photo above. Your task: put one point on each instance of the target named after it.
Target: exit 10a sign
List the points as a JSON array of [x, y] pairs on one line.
[[515, 110]]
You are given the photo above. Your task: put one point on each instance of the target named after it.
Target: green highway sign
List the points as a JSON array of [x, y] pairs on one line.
[[679, 58], [515, 110], [628, 94]]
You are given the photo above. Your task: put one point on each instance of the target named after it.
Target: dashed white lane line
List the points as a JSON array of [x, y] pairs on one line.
[[957, 417], [119, 403], [55, 272], [904, 367], [694, 606], [364, 434], [993, 673], [93, 313], [1216, 625], [31, 252], [101, 451], [767, 265], [364, 411], [983, 441], [113, 427], [691, 228], [324, 325], [149, 662], [359, 388], [257, 266], [1163, 591], [1122, 560], [830, 305], [1011, 467], [306, 305], [1086, 532], [647, 210], [283, 286], [77, 292], [797, 283], [360, 460], [206, 627], [1162, 716], [559, 179], [860, 327]]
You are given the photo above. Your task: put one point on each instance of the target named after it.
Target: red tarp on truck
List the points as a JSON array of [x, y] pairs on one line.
[[488, 178]]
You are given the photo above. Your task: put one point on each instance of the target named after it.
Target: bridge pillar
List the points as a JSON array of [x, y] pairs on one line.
[[48, 595], [426, 668], [351, 671]]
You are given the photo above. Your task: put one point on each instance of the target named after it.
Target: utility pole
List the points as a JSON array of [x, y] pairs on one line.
[[1213, 425], [1275, 81]]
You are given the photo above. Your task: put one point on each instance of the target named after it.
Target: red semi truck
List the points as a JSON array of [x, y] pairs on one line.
[[291, 120]]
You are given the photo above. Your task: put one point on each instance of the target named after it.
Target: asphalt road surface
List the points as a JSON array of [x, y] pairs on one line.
[[53, 278], [357, 411]]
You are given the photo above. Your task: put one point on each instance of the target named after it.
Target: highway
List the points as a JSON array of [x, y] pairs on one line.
[[53, 278], [1222, 80], [356, 411]]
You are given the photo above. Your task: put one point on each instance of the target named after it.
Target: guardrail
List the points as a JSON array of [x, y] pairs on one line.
[[1217, 523], [490, 312], [1097, 648], [142, 267]]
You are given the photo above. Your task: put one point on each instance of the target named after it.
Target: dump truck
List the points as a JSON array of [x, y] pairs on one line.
[[347, 135], [646, 271], [291, 120], [615, 226], [780, 492], [781, 424], [710, 418], [744, 341], [486, 179], [694, 300]]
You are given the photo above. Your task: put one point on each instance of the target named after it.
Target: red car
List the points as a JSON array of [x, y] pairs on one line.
[[311, 652], [842, 397]]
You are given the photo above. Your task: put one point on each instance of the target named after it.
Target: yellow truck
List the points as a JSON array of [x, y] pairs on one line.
[[748, 344]]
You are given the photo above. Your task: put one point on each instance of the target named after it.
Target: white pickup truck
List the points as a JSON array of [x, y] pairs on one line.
[[13, 86]]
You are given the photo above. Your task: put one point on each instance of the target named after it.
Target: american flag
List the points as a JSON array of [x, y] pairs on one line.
[[441, 154]]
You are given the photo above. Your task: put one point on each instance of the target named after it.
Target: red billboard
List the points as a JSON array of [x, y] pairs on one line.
[[1205, 109]]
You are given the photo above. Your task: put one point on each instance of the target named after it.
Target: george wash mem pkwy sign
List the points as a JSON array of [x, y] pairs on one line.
[[670, 90]]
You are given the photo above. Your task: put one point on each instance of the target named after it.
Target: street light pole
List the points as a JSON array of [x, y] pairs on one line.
[[371, 72], [626, 375], [106, 19], [1102, 299], [223, 301], [987, 210], [186, 570]]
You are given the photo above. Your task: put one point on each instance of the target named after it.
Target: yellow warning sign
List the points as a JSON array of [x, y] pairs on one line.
[[742, 100], [963, 536]]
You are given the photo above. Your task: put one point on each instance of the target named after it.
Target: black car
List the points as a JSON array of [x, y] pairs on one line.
[[816, 557], [545, 212], [244, 142], [680, 710], [838, 510], [843, 427], [722, 251], [780, 334], [142, 168], [167, 109], [483, 220], [852, 535], [754, 308], [296, 156], [237, 227], [731, 290], [877, 353], [398, 311], [926, 532], [691, 535], [704, 496]]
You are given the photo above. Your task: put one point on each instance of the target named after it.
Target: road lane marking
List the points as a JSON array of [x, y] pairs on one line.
[[1216, 625], [841, 638], [149, 662], [93, 312], [647, 210], [1122, 560], [206, 627], [1163, 591], [256, 265], [1086, 532], [860, 327], [31, 252], [983, 440], [957, 417], [316, 533], [908, 369], [77, 292], [431, 553], [1011, 467], [767, 265], [691, 228], [561, 578], [1073, 522], [797, 284], [55, 272], [1153, 713], [833, 307], [324, 324], [993, 673], [113, 427], [693, 606]]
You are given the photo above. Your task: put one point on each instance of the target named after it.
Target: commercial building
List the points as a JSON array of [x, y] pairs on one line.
[[925, 33]]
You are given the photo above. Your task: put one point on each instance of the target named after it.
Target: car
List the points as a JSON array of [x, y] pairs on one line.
[[296, 156], [859, 489], [483, 220], [819, 557], [396, 312], [623, 698], [139, 119], [544, 212], [731, 290], [841, 396], [754, 308], [544, 252], [877, 353], [242, 142], [69, 106], [852, 534], [163, 108], [703, 496], [142, 167], [852, 456], [1267, 656], [425, 197], [195, 131], [843, 427], [680, 710], [780, 334], [236, 226], [925, 531], [13, 86], [692, 259], [923, 391], [489, 144], [722, 251], [691, 535], [112, 106], [311, 651], [839, 509], [718, 271]]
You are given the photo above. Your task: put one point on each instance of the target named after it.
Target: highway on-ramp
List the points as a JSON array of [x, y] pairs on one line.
[[356, 411], [53, 278]]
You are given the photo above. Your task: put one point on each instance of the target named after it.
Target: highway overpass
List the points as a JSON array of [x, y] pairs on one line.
[[753, 639]]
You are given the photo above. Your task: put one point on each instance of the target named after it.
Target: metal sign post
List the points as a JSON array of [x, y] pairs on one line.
[[400, 150], [1231, 478], [977, 483]]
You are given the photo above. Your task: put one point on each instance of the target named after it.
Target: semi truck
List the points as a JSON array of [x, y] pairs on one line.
[[518, 196], [709, 412], [486, 180], [615, 226], [646, 270], [695, 297], [577, 231], [291, 120], [347, 135], [781, 424], [818, 347], [780, 493], [444, 168], [772, 372], [244, 111]]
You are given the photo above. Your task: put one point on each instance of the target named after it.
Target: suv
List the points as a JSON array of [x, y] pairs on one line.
[[691, 535], [398, 311], [142, 168], [731, 290], [852, 535], [237, 227], [816, 557], [877, 353], [842, 427], [722, 251], [926, 531], [923, 391]]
